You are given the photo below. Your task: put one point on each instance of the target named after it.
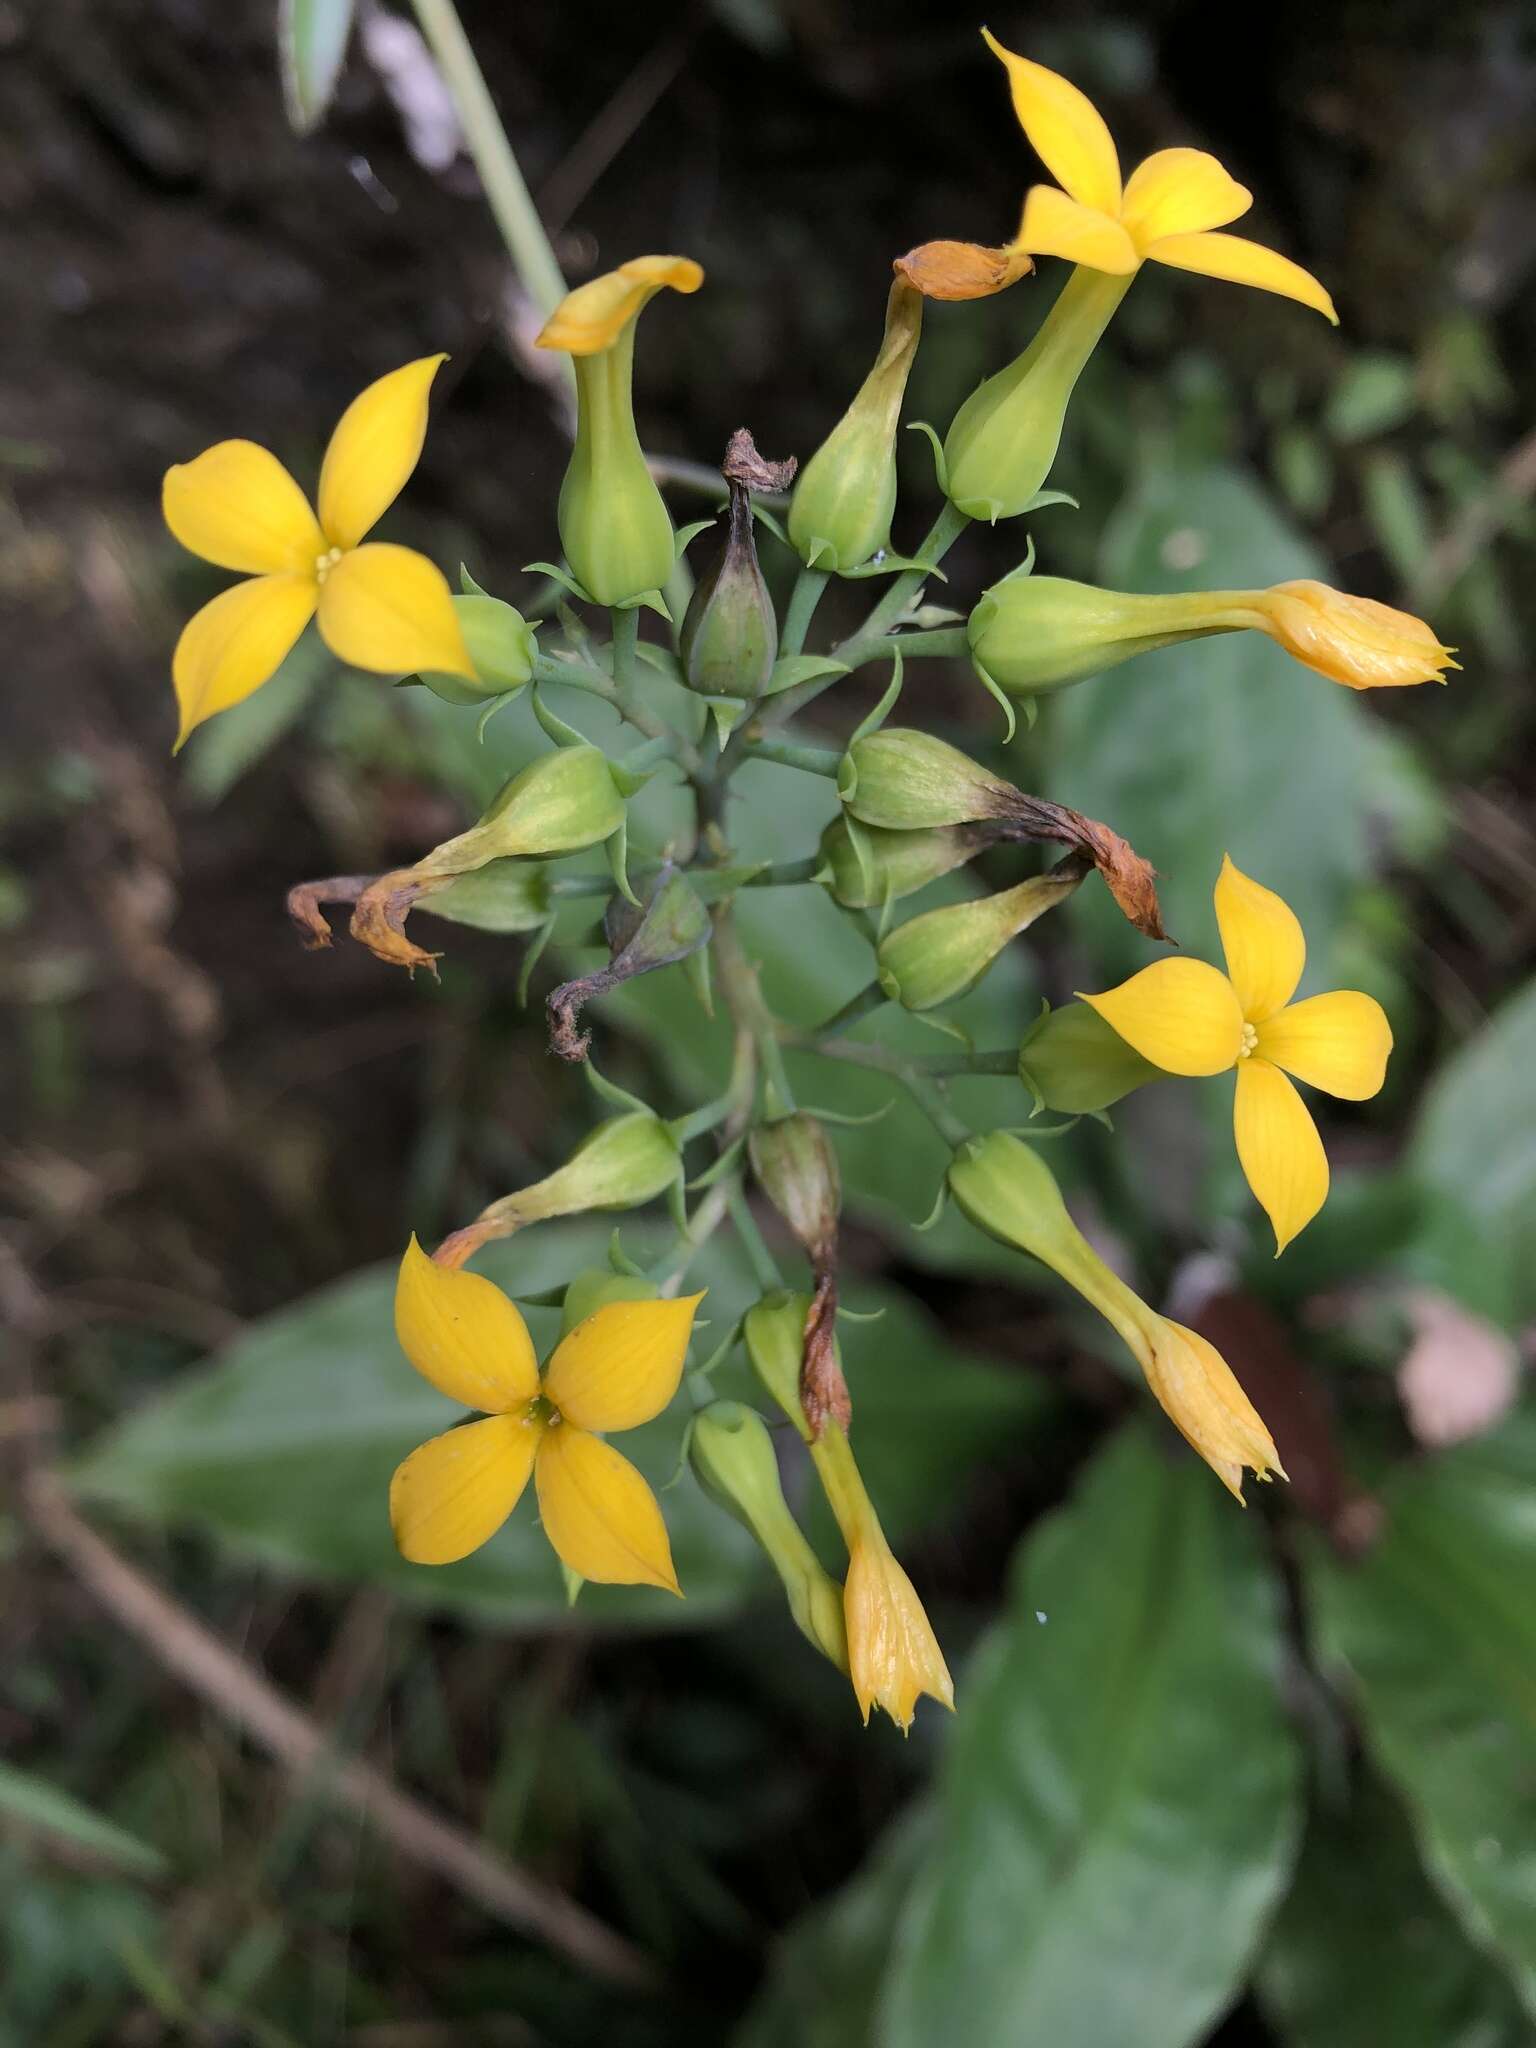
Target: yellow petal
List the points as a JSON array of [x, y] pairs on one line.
[[592, 317], [1054, 225], [462, 1333], [376, 445], [388, 608], [233, 645], [1182, 1015], [622, 1364], [1180, 192], [1280, 1151], [599, 1513], [454, 1493], [236, 505], [1066, 129], [1352, 640], [1262, 939], [1201, 1395], [1242, 262], [1338, 1043]]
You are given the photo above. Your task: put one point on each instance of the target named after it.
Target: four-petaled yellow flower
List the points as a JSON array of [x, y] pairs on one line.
[[617, 1368], [1189, 1018], [381, 607], [1164, 213]]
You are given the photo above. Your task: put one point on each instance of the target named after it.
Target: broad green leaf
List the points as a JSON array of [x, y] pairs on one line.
[[284, 1447], [1433, 1633], [1223, 745], [1474, 1146], [311, 41], [824, 1981], [36, 1803], [1363, 1950], [1119, 1807]]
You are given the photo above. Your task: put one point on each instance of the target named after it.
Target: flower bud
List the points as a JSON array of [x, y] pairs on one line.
[[893, 1656], [596, 1287], [1007, 1190], [934, 958], [1073, 1062], [844, 502], [730, 636], [614, 525], [626, 1161], [867, 867], [733, 1459], [501, 644], [1351, 640], [560, 803], [906, 781], [1037, 633], [1003, 440], [798, 1172]]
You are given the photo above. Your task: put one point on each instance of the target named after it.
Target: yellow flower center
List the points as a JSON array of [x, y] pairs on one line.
[[325, 563], [1250, 1042]]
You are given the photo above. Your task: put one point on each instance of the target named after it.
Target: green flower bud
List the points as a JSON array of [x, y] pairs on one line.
[[1037, 633], [797, 1170], [565, 800], [846, 497], [733, 1459], [867, 867], [1003, 440], [626, 1161], [501, 644], [1072, 1061], [595, 1287], [934, 958], [503, 896], [774, 1331], [614, 525], [730, 636], [907, 781]]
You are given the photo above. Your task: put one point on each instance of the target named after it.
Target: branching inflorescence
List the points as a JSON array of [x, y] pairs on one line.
[[912, 808]]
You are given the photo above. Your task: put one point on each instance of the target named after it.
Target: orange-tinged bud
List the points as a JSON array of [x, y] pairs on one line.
[[961, 270], [1351, 640]]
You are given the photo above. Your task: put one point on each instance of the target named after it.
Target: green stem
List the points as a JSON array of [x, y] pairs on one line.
[[764, 1267], [949, 641], [801, 609], [864, 1004], [813, 760], [928, 1094], [506, 190], [702, 1225]]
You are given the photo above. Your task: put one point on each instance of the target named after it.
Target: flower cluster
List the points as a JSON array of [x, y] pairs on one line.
[[910, 809]]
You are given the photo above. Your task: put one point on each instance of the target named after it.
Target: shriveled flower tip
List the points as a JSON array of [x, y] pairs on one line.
[[961, 270], [592, 317], [1200, 1393], [1353, 640], [893, 1654]]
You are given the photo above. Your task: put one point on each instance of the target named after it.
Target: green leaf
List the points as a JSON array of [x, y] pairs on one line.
[[36, 1803], [229, 746], [311, 41], [1434, 1634], [1119, 1807], [1223, 745], [791, 669], [284, 1447], [1474, 1146], [1364, 1951]]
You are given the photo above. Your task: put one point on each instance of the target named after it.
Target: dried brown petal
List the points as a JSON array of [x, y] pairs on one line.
[[961, 270]]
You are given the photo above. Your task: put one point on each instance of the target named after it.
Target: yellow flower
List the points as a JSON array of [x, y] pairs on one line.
[[381, 607], [1164, 213], [1189, 1018], [893, 1654], [1351, 640], [616, 1369]]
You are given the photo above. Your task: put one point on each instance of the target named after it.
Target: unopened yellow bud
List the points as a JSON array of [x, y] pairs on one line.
[[1003, 440], [733, 1458], [1351, 640], [844, 502], [936, 957], [1007, 1190], [614, 526]]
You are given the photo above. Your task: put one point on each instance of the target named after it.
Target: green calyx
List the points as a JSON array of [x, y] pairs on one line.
[[934, 958], [614, 525], [1073, 1062], [1033, 634]]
